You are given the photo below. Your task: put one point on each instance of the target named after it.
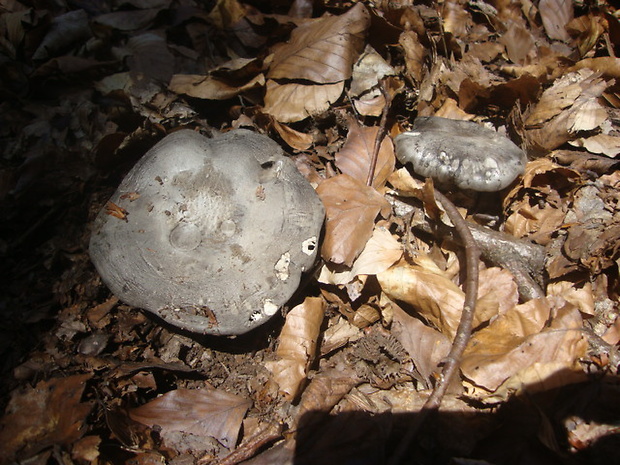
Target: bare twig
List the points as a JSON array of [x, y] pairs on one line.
[[247, 450], [463, 332], [380, 133]]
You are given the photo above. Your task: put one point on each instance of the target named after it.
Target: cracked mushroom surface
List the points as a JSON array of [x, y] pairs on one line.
[[211, 235], [460, 154]]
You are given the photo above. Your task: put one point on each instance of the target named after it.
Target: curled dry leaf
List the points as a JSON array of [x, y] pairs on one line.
[[292, 102], [527, 337], [570, 105], [297, 346], [199, 413], [356, 155], [351, 208], [208, 87], [324, 50]]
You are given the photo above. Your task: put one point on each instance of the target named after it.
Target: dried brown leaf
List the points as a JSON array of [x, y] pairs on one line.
[[381, 251], [351, 208], [297, 346], [208, 87], [201, 413], [324, 50], [426, 346], [601, 143], [288, 103], [425, 287], [519, 43], [49, 413], [415, 53], [522, 338], [356, 155], [555, 15], [295, 139]]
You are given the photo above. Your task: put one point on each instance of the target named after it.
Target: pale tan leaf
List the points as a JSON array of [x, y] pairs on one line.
[[555, 15], [521, 338], [355, 156], [208, 87], [497, 293], [297, 346], [368, 71], [601, 143], [324, 50], [519, 43], [582, 297], [542, 377], [351, 208], [204, 413], [425, 287], [288, 103], [381, 251]]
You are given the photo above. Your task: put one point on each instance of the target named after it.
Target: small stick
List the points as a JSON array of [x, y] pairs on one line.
[[463, 332], [380, 133], [247, 450]]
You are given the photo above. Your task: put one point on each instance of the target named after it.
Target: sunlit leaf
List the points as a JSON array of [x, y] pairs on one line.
[[351, 209], [324, 50], [355, 156], [297, 346]]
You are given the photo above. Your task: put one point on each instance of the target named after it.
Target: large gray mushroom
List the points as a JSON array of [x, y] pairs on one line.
[[460, 154], [212, 235]]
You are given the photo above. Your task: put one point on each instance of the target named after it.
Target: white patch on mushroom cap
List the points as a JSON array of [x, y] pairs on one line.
[[309, 246], [282, 266], [269, 308], [460, 153]]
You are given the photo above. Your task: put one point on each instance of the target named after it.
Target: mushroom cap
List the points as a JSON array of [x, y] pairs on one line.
[[460, 153], [211, 235]]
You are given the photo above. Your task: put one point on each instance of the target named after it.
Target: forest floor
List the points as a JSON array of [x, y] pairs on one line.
[[341, 373]]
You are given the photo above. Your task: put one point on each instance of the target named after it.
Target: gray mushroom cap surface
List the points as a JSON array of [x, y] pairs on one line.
[[460, 154], [213, 235]]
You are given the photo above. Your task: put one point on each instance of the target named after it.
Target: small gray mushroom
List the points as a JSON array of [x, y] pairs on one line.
[[460, 154], [211, 235]]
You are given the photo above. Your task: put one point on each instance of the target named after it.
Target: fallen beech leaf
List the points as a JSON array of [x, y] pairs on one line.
[[48, 414], [381, 251], [424, 286], [521, 338], [323, 50], [555, 15], [355, 156], [426, 346], [368, 71], [207, 87], [295, 139], [288, 103], [351, 208], [570, 105], [600, 143], [582, 298], [201, 413], [297, 346]]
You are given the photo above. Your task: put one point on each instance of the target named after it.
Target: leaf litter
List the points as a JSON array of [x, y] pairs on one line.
[[89, 88]]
